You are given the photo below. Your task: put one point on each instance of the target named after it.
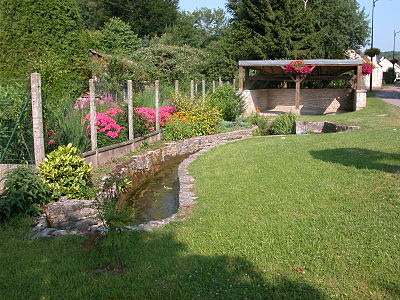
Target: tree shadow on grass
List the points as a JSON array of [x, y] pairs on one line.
[[361, 158], [158, 266]]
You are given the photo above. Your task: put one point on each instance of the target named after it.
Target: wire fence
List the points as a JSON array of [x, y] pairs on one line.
[[66, 113], [16, 137]]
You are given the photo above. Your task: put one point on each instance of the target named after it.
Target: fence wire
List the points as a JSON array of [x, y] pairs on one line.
[[16, 135]]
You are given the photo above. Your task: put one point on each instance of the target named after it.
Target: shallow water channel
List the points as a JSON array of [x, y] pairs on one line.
[[158, 197]]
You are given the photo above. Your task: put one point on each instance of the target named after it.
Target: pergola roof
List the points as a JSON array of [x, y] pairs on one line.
[[323, 67]]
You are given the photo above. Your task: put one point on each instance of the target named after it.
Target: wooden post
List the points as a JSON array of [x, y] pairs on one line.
[[157, 100], [176, 87], [246, 78], [241, 78], [130, 111], [297, 99], [93, 131], [359, 77], [213, 86], [203, 88], [192, 89], [37, 118]]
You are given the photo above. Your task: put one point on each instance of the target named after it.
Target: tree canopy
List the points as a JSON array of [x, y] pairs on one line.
[[277, 29], [146, 17]]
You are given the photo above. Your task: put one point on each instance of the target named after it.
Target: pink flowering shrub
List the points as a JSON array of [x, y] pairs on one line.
[[109, 128], [165, 114], [112, 125], [298, 67]]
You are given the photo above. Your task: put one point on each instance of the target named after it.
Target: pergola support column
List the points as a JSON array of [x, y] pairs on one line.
[[297, 98], [241, 78]]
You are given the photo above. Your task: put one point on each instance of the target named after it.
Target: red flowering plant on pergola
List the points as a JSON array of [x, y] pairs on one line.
[[298, 67], [367, 68]]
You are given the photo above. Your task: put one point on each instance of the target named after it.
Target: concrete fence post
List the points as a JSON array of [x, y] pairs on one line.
[[234, 84], [213, 86], [220, 80], [203, 88], [195, 87], [130, 110], [157, 103], [93, 131], [192, 89], [176, 87], [37, 118]]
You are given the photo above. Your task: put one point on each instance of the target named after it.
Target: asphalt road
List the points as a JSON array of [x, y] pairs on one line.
[[390, 94]]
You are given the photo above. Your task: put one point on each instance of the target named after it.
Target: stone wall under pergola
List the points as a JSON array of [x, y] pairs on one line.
[[298, 100]]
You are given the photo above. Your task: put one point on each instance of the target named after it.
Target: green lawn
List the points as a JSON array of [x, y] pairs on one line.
[[296, 217]]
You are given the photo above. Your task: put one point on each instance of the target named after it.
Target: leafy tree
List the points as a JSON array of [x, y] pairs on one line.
[[275, 29], [93, 13], [146, 17], [196, 29], [118, 38], [165, 62], [182, 32], [210, 22]]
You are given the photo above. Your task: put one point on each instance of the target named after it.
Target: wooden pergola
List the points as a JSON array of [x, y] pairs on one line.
[[322, 69]]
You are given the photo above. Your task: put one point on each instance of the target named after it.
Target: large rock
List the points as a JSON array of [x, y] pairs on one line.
[[71, 215]]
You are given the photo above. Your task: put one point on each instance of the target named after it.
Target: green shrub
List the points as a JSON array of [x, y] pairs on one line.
[[284, 124], [192, 119], [66, 173], [227, 101], [24, 193], [262, 122]]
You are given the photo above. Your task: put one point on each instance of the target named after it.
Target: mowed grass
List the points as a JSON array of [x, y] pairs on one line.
[[296, 217]]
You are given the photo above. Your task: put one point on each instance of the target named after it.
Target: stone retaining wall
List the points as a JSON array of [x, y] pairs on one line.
[[303, 127]]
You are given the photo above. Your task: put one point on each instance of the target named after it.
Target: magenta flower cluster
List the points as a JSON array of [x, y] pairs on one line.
[[105, 123], [298, 67], [367, 68], [149, 114], [84, 102]]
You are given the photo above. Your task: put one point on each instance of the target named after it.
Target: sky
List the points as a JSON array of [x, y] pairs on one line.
[[385, 19]]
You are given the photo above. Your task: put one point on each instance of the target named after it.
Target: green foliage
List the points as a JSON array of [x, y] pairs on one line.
[[66, 173], [146, 17], [371, 52], [389, 76], [171, 62], [192, 119], [113, 220], [24, 193], [263, 124], [41, 36], [118, 38], [93, 13], [15, 113], [196, 29], [274, 29], [284, 124], [228, 102]]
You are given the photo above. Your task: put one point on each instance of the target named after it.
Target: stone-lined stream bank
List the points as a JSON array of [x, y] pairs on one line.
[[69, 216]]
